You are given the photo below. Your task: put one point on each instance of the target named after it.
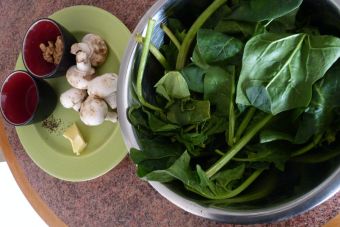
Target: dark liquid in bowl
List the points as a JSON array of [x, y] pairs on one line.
[[41, 32], [19, 98]]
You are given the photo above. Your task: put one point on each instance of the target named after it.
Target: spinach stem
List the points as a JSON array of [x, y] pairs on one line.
[[143, 60], [154, 51], [308, 147], [189, 128], [242, 159], [231, 130], [237, 190], [245, 184], [217, 151], [244, 124], [171, 36], [238, 146], [316, 158], [183, 51], [268, 23], [260, 190]]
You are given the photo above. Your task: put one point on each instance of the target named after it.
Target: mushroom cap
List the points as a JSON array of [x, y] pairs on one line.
[[80, 47], [111, 100], [98, 48], [93, 111], [77, 78], [103, 86], [72, 98]]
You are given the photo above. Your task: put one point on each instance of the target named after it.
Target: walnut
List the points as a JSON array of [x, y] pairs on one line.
[[59, 49], [53, 52], [47, 51]]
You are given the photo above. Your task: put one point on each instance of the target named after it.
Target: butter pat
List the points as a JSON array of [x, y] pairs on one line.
[[77, 141]]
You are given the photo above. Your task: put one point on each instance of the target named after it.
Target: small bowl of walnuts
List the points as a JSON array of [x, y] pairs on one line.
[[44, 50]]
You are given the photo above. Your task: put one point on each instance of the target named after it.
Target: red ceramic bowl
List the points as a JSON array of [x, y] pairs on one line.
[[42, 31], [26, 100]]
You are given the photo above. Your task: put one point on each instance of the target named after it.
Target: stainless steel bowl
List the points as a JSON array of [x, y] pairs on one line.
[[325, 185]]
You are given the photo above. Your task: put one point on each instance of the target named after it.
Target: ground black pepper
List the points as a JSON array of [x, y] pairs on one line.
[[51, 124]]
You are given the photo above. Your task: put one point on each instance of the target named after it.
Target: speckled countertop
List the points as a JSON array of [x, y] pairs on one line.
[[118, 198]]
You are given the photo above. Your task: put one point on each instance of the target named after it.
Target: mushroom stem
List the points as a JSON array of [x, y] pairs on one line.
[[83, 62], [111, 116]]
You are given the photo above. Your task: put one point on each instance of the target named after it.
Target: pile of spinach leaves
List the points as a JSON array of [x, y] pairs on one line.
[[245, 90]]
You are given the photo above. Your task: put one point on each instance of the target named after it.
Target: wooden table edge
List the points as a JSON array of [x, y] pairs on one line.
[[31, 195], [334, 222]]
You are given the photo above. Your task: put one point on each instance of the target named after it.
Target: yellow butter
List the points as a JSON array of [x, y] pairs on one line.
[[77, 141]]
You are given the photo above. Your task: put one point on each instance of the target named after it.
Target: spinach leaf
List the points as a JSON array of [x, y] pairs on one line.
[[283, 24], [233, 27], [212, 190], [172, 86], [194, 77], [143, 118], [215, 125], [188, 112], [267, 136], [260, 10], [198, 182], [278, 68], [170, 52], [217, 84], [157, 154], [137, 117], [192, 141], [321, 111], [179, 169], [215, 46], [318, 118], [225, 178], [270, 152], [198, 59], [262, 188], [157, 124]]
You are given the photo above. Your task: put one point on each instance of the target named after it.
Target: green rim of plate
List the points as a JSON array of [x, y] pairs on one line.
[[106, 148]]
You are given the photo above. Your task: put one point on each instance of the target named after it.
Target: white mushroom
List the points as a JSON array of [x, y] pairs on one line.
[[112, 116], [94, 47], [80, 47], [105, 87], [83, 62], [79, 79], [73, 98], [93, 111], [111, 100]]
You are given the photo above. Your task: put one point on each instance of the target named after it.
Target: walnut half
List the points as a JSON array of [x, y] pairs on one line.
[[53, 52]]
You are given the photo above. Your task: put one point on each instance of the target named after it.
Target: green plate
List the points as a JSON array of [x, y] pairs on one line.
[[44, 143]]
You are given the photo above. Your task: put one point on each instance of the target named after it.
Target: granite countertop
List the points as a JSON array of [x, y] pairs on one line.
[[118, 198]]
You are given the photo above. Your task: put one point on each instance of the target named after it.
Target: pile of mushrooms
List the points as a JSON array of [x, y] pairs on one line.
[[91, 95]]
